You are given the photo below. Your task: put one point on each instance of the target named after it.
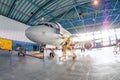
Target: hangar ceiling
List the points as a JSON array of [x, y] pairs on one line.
[[74, 15]]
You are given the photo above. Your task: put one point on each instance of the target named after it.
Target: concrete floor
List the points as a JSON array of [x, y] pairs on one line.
[[96, 64]]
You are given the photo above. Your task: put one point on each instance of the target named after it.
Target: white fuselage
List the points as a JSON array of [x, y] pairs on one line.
[[46, 34]]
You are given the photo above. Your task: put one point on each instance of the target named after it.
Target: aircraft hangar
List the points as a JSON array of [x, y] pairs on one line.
[[59, 39]]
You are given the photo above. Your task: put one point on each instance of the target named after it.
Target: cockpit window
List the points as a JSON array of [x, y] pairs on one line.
[[46, 24], [49, 25], [56, 26]]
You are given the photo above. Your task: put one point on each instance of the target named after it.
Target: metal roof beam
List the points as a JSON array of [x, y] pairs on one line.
[[38, 11], [69, 10], [89, 25], [61, 8], [115, 5], [60, 15], [33, 2], [98, 12], [11, 8]]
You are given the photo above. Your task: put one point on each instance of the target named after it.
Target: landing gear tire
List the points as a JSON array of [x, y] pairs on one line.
[[22, 54], [115, 52], [74, 57], [52, 55], [18, 54]]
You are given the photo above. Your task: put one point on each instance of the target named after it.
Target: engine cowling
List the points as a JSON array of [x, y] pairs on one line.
[[88, 45]]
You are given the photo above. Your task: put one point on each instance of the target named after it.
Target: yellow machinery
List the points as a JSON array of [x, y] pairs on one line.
[[66, 46], [5, 44]]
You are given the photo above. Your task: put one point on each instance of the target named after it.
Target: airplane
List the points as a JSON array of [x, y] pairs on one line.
[[53, 34], [46, 33]]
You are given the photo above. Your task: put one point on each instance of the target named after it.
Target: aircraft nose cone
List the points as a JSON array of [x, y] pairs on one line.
[[28, 33]]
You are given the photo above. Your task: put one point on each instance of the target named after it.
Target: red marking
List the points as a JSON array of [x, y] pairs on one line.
[[56, 47], [72, 44], [43, 32]]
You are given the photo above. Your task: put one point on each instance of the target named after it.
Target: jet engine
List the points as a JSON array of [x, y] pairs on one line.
[[88, 45]]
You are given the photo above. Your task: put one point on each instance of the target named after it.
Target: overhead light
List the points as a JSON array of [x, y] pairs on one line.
[[95, 2], [42, 19]]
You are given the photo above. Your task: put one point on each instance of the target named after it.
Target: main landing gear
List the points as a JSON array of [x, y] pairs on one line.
[[21, 51], [52, 54]]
